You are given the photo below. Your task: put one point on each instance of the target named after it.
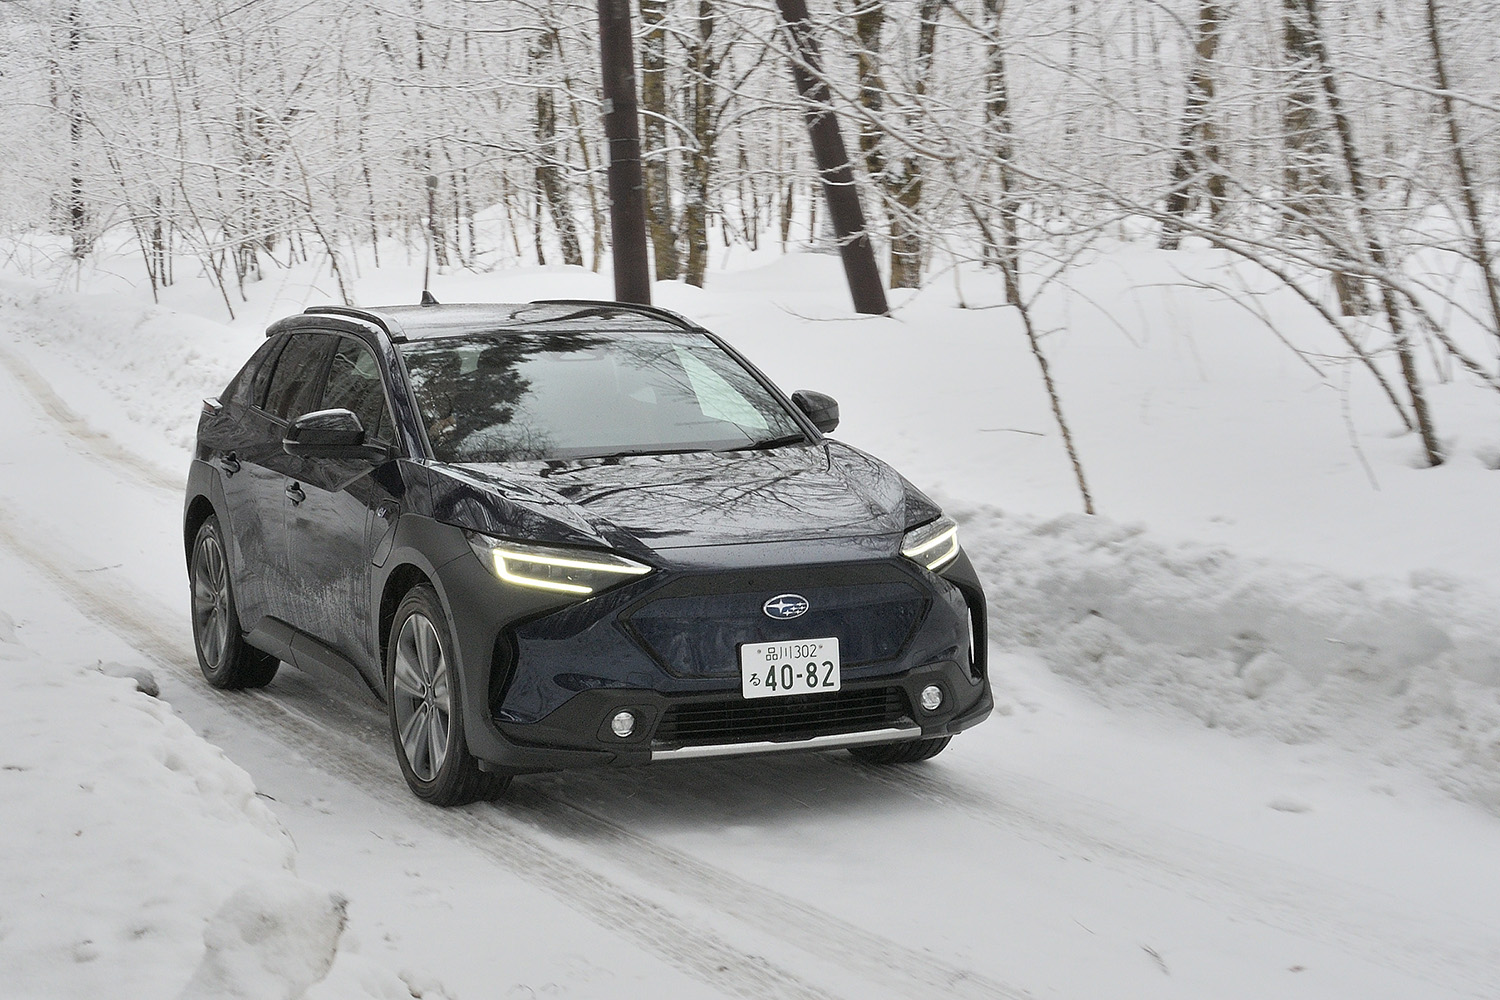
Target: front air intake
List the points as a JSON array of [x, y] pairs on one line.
[[708, 723]]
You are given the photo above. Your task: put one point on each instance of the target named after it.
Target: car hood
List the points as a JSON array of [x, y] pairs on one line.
[[825, 494]]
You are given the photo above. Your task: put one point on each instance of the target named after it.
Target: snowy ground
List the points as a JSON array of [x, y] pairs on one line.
[[1248, 738]]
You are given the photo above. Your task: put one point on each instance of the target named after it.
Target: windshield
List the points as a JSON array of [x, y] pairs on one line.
[[518, 396]]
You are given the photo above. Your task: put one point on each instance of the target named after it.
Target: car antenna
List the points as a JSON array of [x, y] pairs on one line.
[[428, 299]]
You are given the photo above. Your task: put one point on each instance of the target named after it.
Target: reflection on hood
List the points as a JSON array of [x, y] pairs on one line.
[[662, 502]]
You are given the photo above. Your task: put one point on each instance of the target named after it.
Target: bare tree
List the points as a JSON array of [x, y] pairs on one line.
[[701, 95], [1374, 244], [656, 160], [1468, 188], [550, 179], [1197, 158]]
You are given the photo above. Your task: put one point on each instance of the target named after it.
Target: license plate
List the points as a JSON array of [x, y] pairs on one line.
[[776, 669]]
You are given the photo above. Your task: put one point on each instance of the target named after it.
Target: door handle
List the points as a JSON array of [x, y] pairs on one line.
[[229, 463], [294, 493]]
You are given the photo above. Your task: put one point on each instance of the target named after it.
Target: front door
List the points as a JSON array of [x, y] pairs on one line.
[[275, 476], [330, 531]]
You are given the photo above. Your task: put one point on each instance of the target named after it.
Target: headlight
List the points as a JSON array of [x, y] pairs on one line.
[[934, 544], [562, 570]]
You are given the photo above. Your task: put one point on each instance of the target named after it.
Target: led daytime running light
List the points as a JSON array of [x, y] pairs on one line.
[[936, 551], [510, 564]]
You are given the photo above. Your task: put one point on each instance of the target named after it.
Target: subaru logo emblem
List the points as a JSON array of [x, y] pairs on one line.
[[785, 606]]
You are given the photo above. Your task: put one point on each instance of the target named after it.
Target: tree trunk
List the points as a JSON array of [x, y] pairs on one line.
[[550, 180], [1197, 158], [833, 162], [78, 222], [1373, 243], [900, 184], [1305, 175], [655, 160], [905, 187], [1311, 188], [622, 130], [1478, 237], [997, 118], [869, 22], [702, 68]]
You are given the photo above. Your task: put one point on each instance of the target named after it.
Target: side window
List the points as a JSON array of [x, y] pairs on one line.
[[297, 383], [249, 386], [263, 373], [354, 383]]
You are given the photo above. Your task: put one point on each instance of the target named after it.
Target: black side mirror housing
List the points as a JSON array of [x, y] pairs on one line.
[[335, 434], [820, 408]]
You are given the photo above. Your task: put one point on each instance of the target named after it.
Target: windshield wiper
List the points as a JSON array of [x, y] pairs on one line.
[[639, 451], [769, 443]]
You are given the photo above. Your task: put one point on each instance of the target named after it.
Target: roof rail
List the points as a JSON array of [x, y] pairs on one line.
[[386, 323], [677, 319]]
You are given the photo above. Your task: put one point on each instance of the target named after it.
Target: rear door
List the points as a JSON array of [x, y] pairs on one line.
[[235, 438]]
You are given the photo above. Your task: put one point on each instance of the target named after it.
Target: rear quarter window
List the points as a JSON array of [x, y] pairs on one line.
[[248, 387]]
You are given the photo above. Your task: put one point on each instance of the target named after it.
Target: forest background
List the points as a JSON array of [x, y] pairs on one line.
[[1345, 151]]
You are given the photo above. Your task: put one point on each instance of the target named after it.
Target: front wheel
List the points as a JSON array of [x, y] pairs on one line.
[[226, 660], [422, 697], [900, 753]]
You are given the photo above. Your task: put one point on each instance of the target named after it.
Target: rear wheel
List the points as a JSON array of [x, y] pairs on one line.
[[423, 699], [226, 660], [900, 753]]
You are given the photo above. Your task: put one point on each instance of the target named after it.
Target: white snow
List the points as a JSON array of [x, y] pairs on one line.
[[124, 830], [271, 938], [1261, 690]]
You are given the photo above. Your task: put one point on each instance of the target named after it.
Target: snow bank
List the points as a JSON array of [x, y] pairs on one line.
[[118, 359], [1405, 670], [123, 832]]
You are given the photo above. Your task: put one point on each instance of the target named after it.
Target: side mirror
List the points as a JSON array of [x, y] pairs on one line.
[[821, 409], [335, 434]]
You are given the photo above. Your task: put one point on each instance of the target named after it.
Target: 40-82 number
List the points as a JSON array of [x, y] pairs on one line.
[[779, 669], [787, 677]]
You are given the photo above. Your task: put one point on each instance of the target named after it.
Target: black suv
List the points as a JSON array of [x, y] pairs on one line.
[[566, 534]]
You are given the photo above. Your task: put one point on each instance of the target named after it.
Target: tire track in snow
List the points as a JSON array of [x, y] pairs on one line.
[[691, 949], [1374, 926], [99, 445], [685, 946], [1345, 915], [794, 921]]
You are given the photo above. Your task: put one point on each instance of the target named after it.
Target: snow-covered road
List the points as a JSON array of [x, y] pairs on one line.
[[1058, 850]]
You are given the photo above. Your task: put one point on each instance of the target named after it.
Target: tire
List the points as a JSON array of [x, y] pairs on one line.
[[900, 753], [226, 660], [422, 697]]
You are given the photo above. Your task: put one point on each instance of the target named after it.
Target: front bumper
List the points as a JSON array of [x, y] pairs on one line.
[[540, 685]]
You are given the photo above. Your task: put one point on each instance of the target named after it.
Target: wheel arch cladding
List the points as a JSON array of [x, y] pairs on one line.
[[397, 585], [199, 510]]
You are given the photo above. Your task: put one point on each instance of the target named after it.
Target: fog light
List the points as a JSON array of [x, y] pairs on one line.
[[932, 698], [623, 724]]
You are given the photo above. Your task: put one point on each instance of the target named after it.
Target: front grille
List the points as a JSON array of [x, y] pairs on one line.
[[777, 719], [699, 634]]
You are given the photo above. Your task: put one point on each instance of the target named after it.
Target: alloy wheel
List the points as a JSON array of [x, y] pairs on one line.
[[211, 601], [422, 701]]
